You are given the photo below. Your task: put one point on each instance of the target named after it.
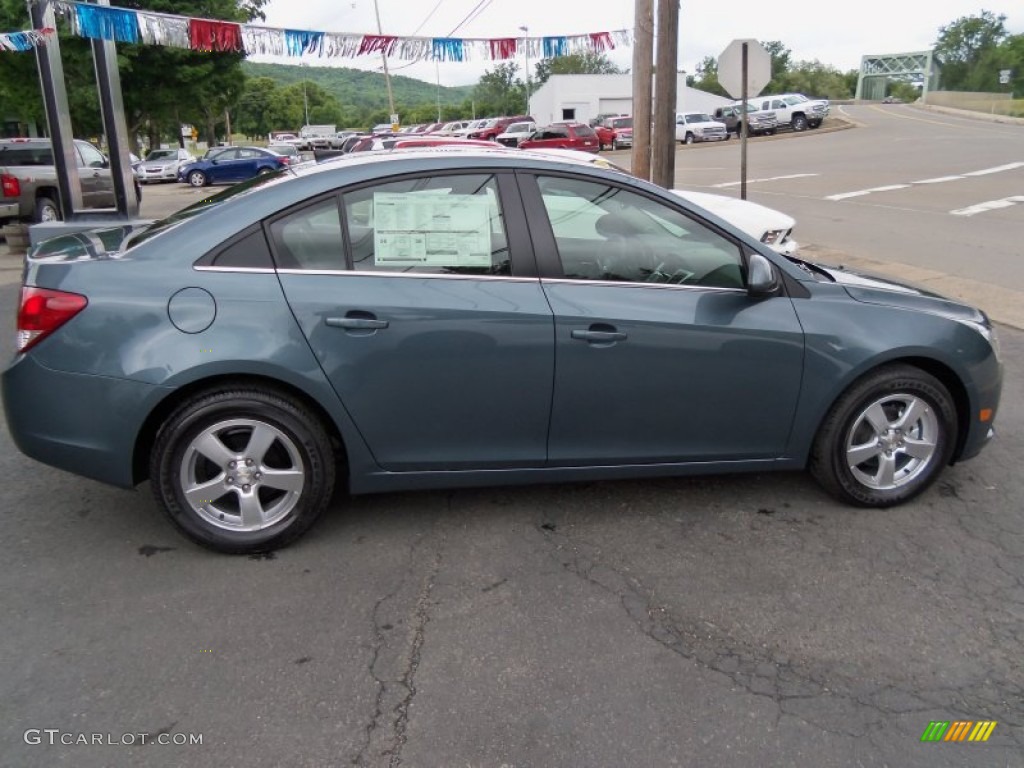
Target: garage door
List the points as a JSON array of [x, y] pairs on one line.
[[615, 106]]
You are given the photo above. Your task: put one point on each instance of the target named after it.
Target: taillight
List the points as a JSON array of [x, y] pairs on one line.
[[43, 311], [10, 185]]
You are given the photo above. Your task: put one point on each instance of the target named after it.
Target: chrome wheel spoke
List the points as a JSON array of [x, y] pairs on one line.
[[252, 509], [911, 414], [858, 454], [876, 417], [919, 449], [259, 442], [283, 479], [205, 493], [886, 470], [210, 446]]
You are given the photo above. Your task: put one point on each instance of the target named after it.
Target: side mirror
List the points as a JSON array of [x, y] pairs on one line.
[[762, 279]]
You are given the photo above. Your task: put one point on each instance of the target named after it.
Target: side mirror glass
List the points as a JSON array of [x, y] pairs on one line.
[[762, 278]]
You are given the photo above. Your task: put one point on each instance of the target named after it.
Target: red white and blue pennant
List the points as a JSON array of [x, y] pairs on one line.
[[104, 22]]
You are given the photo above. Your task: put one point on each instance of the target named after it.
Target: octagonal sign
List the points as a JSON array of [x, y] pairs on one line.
[[730, 68]]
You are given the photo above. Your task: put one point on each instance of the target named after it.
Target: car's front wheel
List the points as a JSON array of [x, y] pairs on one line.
[[242, 470], [197, 179], [689, 139], [799, 123], [886, 438]]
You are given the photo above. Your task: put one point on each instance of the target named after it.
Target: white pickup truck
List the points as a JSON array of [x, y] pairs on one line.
[[698, 126], [794, 109]]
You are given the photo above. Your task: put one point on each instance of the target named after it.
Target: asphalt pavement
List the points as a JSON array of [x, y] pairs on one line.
[[725, 621]]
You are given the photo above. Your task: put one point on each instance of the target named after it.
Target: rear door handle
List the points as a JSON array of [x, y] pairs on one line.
[[357, 323]]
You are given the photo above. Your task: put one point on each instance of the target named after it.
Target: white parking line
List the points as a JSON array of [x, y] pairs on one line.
[[997, 169], [936, 180], [991, 205], [770, 178], [860, 192]]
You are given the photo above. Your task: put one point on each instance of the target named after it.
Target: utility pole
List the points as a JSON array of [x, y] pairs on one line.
[[643, 64], [384, 56], [666, 81], [526, 51]]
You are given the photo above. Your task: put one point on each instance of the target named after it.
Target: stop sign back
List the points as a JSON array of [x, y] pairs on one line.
[[730, 68]]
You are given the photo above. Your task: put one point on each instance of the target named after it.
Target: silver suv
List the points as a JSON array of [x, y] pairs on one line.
[[794, 109]]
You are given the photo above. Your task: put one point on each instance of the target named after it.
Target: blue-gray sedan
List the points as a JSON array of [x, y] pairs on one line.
[[443, 319]]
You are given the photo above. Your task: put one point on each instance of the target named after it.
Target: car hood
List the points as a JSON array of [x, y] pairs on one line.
[[873, 289], [752, 218]]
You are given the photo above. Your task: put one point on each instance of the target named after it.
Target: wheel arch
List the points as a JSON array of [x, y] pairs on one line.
[[940, 370], [146, 437]]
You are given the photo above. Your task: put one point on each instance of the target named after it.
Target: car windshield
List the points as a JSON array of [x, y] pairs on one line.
[[698, 117], [163, 154], [791, 100], [519, 128], [622, 122]]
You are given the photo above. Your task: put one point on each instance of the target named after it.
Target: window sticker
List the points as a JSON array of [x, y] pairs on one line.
[[417, 230]]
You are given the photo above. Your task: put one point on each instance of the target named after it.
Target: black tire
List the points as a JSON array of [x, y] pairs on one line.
[[814, 124], [689, 139], [197, 179], [263, 171], [297, 452], [799, 123], [770, 132], [46, 210], [848, 434]]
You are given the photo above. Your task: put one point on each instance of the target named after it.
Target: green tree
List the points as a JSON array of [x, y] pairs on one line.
[[499, 92], [585, 63], [964, 43], [781, 63], [706, 77]]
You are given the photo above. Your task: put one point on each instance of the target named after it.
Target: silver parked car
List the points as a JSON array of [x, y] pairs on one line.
[[163, 165]]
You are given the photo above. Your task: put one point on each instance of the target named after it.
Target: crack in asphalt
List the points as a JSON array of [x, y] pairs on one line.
[[777, 679], [385, 735]]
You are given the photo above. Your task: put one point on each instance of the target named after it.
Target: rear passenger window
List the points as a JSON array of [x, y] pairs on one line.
[[310, 238], [447, 225]]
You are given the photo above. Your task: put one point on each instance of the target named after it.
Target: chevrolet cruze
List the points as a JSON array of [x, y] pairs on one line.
[[442, 318]]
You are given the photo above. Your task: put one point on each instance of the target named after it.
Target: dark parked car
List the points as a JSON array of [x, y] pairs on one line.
[[231, 164], [431, 319]]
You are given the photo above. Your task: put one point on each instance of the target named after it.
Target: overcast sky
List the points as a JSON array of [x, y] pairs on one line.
[[810, 30]]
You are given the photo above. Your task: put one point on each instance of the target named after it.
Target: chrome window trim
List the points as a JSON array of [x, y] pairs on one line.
[[255, 270], [430, 275], [627, 284]]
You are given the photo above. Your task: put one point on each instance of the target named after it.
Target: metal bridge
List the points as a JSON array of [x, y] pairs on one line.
[[917, 67]]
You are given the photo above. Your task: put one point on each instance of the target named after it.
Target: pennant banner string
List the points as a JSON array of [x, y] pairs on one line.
[[105, 22]]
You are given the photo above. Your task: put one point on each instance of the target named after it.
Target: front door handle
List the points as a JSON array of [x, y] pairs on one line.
[[357, 323], [599, 334]]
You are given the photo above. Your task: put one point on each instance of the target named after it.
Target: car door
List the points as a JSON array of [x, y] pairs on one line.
[[427, 317], [94, 173], [243, 166], [660, 353]]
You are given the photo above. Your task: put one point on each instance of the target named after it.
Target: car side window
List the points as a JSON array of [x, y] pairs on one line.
[[609, 233], [92, 157], [310, 238], [446, 225]]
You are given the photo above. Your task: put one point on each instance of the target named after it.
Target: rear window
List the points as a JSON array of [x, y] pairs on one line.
[[584, 130], [622, 122], [26, 155]]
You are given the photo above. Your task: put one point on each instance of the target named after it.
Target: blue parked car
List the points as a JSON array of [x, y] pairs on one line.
[[427, 319], [231, 164]]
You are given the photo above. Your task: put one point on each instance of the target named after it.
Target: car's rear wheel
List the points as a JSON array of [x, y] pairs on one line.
[[46, 210], [886, 438], [242, 471], [263, 171], [197, 179]]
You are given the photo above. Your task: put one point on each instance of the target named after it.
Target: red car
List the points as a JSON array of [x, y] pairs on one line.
[[615, 132], [563, 136], [497, 126]]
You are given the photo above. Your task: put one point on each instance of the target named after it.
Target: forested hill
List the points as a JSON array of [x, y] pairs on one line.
[[363, 90]]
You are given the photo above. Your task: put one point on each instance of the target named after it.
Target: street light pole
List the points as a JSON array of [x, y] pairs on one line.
[[526, 51]]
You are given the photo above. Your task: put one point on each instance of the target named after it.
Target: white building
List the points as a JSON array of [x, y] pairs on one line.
[[584, 97]]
